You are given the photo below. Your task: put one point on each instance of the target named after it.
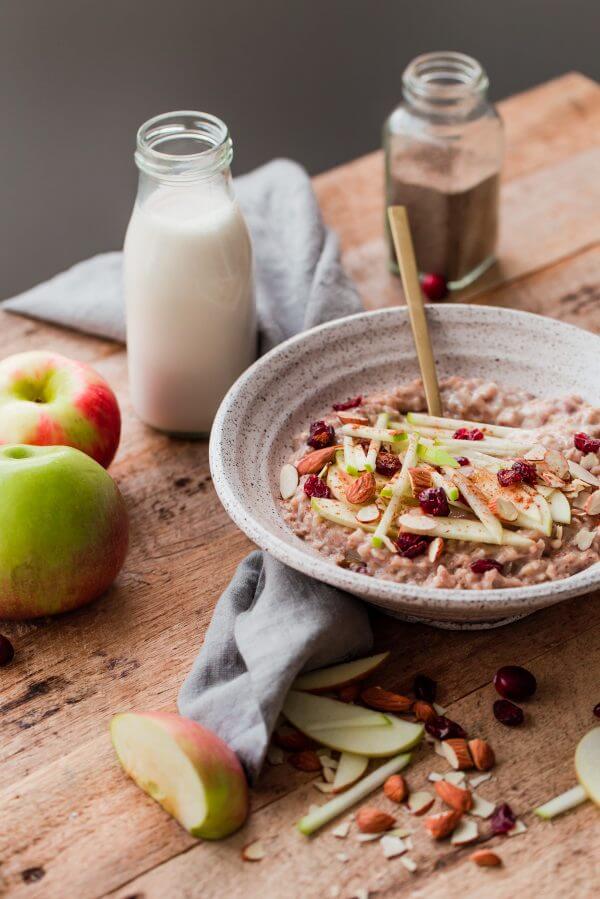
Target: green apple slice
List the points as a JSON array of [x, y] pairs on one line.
[[487, 518], [303, 710], [541, 503], [559, 507], [338, 482], [384, 435], [351, 768], [459, 529], [340, 513], [436, 455], [587, 769], [453, 424], [375, 445], [399, 486], [339, 675], [449, 489], [349, 463], [321, 816]]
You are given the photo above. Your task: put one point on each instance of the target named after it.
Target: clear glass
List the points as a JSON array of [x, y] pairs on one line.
[[443, 153], [189, 293]]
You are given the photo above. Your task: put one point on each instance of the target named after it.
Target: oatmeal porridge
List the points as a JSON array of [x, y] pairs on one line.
[[504, 491]]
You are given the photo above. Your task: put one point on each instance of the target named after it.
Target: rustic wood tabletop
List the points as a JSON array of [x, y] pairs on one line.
[[71, 823]]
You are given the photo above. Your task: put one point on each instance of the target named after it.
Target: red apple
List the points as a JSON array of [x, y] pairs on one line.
[[190, 771], [48, 400]]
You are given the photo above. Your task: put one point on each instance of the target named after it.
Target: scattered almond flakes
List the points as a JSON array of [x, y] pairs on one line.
[[481, 808], [342, 830], [583, 539], [399, 832], [434, 776], [408, 863], [368, 837], [455, 777], [479, 779], [392, 846], [342, 857], [253, 852], [517, 829], [437, 748], [409, 843]]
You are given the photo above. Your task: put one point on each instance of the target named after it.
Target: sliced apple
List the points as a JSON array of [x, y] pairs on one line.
[[349, 460], [559, 507], [453, 424], [321, 816], [587, 769], [479, 506], [541, 503], [436, 455], [351, 768], [332, 718], [339, 513], [459, 529], [339, 675], [375, 445], [449, 489], [399, 487], [384, 435]]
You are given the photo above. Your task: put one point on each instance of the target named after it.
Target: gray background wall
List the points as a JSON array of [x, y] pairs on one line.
[[309, 79]]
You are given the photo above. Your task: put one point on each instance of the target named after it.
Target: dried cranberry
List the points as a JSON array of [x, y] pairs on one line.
[[462, 460], [520, 472], [585, 443], [480, 566], [388, 464], [508, 713], [503, 819], [507, 477], [411, 545], [7, 652], [315, 486], [433, 500], [320, 435], [434, 286], [596, 710], [468, 434], [443, 728], [425, 688], [514, 682], [350, 403]]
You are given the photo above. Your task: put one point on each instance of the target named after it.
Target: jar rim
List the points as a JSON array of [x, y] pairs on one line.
[[444, 79], [210, 133]]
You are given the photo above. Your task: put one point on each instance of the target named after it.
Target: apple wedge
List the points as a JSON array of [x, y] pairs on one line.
[[453, 424], [587, 769], [351, 768], [436, 455], [559, 507], [458, 529], [340, 513], [480, 508], [186, 768], [334, 727], [339, 675]]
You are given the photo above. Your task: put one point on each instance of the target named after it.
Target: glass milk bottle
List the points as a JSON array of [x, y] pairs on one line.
[[188, 275]]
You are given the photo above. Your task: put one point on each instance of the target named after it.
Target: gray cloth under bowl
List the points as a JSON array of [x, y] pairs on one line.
[[271, 622]]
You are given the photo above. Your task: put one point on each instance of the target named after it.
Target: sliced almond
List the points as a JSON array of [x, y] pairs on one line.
[[457, 753], [455, 777], [579, 501], [479, 779], [517, 829], [503, 508], [253, 852], [434, 776], [578, 471], [551, 479], [342, 830], [420, 802], [392, 846], [288, 481], [367, 837], [466, 831], [368, 514], [557, 463], [435, 550], [328, 775], [592, 504], [408, 863], [481, 807], [583, 539], [589, 461]]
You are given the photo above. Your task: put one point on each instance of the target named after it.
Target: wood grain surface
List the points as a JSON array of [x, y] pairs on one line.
[[72, 825]]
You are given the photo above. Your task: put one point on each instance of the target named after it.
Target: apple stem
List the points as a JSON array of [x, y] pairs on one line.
[[313, 821], [563, 803]]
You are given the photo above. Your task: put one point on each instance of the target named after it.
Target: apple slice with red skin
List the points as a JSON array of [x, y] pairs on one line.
[[326, 679], [186, 768]]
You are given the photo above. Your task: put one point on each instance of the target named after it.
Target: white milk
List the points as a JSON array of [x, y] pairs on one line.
[[189, 302]]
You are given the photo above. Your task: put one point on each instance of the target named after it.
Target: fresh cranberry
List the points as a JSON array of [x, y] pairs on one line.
[[514, 682], [480, 566], [585, 443], [7, 652], [411, 545], [508, 713], [425, 688], [443, 728], [320, 435], [503, 819], [388, 464], [462, 460], [433, 500], [468, 434], [596, 710], [434, 286], [520, 472], [350, 403], [315, 486]]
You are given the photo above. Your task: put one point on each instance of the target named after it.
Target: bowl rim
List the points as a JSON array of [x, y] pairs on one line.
[[440, 600]]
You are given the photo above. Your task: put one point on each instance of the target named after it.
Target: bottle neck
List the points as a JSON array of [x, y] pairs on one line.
[[183, 147], [444, 86]]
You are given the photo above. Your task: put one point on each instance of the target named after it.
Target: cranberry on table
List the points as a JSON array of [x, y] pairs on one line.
[[320, 435], [434, 501], [596, 710], [503, 819], [508, 713], [515, 682], [425, 688], [586, 444], [443, 728], [411, 545], [387, 464], [434, 286], [351, 403], [468, 434], [7, 652], [480, 566], [315, 486]]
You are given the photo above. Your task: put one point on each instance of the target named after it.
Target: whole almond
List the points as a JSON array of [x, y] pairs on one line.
[[385, 701], [307, 760], [485, 858], [291, 739], [442, 825], [420, 479], [395, 788], [362, 490], [313, 462], [482, 754], [458, 799], [373, 820], [348, 693], [457, 752], [423, 711]]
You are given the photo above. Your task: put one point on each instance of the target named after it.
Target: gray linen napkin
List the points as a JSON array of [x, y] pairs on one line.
[[271, 622]]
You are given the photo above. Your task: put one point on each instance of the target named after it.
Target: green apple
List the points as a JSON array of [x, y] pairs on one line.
[[63, 527], [186, 768]]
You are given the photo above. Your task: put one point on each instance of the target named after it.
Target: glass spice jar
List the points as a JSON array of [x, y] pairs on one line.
[[443, 153]]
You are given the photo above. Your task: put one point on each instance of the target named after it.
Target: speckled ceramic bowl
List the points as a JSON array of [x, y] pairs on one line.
[[251, 436]]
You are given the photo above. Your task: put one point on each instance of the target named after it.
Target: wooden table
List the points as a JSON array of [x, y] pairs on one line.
[[72, 825]]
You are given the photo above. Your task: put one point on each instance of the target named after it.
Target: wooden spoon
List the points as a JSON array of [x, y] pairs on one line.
[[414, 299]]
